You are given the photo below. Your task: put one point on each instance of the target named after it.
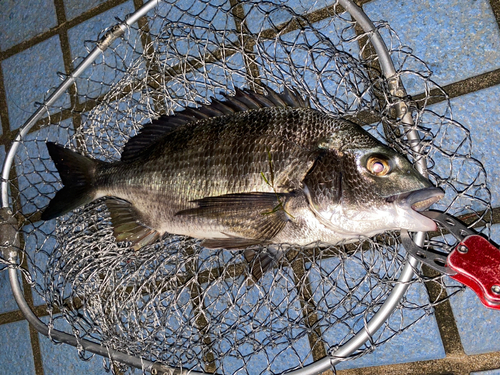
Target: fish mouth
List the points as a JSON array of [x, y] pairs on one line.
[[418, 200], [409, 205]]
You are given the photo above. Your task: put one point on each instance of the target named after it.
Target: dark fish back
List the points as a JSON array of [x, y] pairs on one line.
[[243, 101]]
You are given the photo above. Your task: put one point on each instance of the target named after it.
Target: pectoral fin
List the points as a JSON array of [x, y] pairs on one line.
[[250, 218], [127, 225]]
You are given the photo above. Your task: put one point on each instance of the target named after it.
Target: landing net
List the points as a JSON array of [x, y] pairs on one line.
[[177, 303]]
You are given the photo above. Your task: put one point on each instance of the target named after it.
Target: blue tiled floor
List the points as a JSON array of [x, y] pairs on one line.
[[459, 39], [62, 359], [29, 75], [15, 349], [411, 345], [93, 27], [22, 20], [90, 85], [74, 8], [8, 301], [480, 112]]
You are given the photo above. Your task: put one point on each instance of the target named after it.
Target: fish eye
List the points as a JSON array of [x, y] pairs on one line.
[[378, 166]]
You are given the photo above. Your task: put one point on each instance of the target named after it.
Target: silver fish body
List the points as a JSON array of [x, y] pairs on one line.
[[253, 169]]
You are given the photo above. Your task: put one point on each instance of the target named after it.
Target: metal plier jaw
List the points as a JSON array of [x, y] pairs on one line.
[[474, 261]]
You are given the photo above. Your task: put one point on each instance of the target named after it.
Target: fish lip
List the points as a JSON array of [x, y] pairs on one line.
[[418, 200]]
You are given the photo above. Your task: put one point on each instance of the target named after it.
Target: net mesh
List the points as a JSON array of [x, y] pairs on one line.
[[177, 303]]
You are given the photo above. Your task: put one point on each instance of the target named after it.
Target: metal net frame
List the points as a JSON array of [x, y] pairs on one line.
[[174, 306]]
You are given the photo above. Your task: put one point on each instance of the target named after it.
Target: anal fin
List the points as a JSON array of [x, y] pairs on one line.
[[127, 225]]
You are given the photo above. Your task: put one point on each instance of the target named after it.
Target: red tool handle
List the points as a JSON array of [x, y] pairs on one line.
[[477, 263]]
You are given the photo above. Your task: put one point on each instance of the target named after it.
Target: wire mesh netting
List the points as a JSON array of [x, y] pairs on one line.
[[177, 303]]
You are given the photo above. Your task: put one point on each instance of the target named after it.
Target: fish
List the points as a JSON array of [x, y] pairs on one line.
[[249, 169]]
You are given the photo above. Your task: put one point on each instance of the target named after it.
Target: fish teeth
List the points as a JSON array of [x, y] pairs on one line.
[[422, 205]]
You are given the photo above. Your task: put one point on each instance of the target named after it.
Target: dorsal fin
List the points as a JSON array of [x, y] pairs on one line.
[[243, 100]]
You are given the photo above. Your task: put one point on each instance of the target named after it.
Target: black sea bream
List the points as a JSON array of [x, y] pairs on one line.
[[250, 169]]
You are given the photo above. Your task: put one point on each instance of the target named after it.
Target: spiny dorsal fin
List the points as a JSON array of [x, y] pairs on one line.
[[242, 101]]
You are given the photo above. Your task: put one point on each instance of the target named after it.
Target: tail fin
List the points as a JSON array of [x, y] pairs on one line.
[[77, 174]]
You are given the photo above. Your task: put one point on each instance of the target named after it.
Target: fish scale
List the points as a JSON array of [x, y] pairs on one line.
[[253, 169]]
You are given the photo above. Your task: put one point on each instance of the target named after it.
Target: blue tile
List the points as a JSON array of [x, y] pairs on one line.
[[476, 322], [341, 317], [479, 112], [29, 75], [181, 339], [188, 15], [303, 59], [64, 359], [8, 302], [411, 345], [211, 25], [74, 8], [305, 6], [207, 81], [261, 15], [116, 57], [91, 29], [489, 372], [39, 243], [266, 324], [113, 124], [458, 39], [16, 355], [22, 20]]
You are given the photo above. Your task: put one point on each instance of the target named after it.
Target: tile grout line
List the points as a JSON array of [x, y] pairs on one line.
[[68, 62], [495, 7], [456, 365], [34, 338], [4, 113], [463, 87], [443, 313], [248, 45]]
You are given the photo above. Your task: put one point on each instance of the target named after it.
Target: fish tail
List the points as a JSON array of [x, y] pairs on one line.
[[77, 174]]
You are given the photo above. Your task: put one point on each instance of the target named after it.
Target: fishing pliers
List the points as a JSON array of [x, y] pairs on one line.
[[474, 261]]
